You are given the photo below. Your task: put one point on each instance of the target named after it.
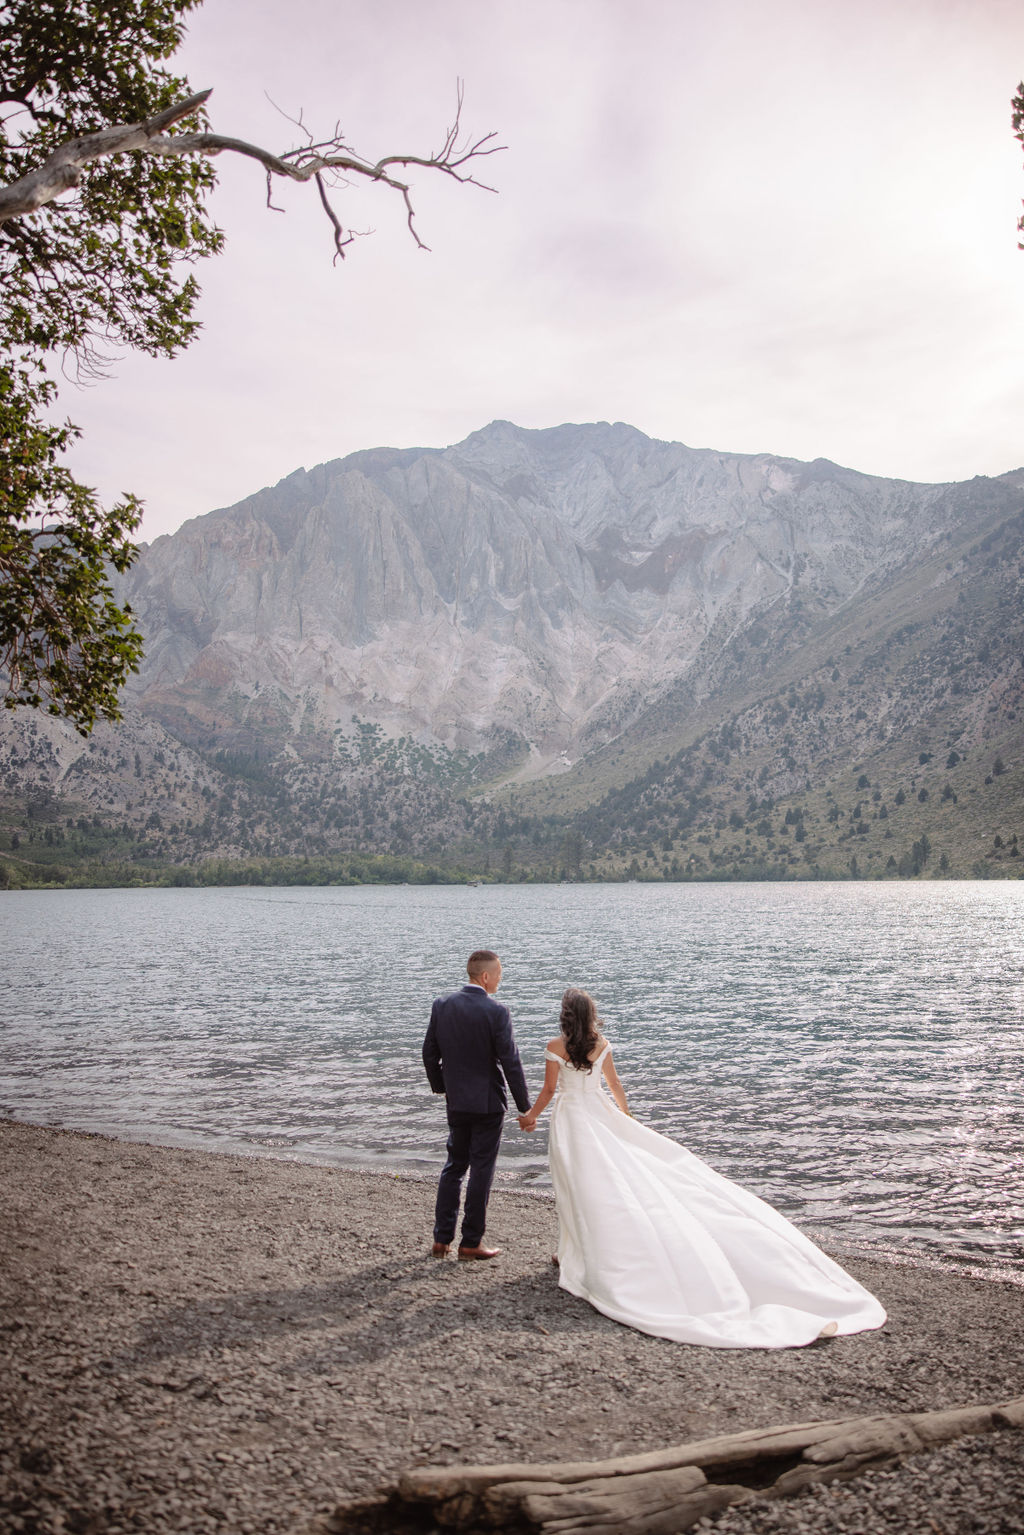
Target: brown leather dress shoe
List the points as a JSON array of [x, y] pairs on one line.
[[465, 1253], [440, 1250]]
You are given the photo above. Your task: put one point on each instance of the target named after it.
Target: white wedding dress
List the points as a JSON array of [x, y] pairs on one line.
[[654, 1238]]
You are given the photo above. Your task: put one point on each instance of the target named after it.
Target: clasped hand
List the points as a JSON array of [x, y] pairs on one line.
[[527, 1122]]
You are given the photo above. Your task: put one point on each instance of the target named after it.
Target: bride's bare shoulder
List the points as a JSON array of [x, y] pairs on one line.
[[557, 1047]]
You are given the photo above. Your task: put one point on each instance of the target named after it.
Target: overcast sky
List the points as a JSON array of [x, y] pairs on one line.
[[783, 226]]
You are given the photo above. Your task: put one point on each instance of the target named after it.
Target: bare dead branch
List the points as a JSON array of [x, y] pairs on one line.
[[270, 192], [314, 161], [340, 240]]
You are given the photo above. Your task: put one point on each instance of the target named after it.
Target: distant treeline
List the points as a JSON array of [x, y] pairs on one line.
[[387, 870]]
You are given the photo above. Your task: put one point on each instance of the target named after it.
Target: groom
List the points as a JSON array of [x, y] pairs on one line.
[[469, 1045]]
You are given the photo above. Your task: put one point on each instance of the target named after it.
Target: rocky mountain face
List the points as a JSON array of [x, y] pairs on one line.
[[344, 657], [534, 588]]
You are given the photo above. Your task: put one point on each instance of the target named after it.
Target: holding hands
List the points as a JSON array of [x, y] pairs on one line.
[[528, 1121]]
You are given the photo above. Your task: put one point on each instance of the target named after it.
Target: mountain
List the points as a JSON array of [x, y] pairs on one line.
[[539, 585], [494, 645]]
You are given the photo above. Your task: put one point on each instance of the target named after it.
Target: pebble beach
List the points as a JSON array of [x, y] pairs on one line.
[[198, 1342]]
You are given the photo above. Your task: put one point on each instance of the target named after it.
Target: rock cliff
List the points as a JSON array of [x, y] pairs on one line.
[[538, 586]]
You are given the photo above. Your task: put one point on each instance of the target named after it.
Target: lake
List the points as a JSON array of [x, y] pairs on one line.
[[852, 1052]]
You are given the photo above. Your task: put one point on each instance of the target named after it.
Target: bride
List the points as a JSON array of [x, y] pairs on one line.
[[654, 1238]]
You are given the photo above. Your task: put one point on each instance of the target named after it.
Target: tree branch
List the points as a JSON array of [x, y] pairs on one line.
[[340, 239], [63, 170]]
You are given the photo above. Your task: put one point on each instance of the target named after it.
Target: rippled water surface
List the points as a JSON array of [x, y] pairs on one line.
[[851, 1052]]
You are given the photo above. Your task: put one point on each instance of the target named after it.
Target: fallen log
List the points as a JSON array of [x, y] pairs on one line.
[[660, 1492]]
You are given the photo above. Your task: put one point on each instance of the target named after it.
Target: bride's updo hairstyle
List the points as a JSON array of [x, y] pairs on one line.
[[579, 1022]]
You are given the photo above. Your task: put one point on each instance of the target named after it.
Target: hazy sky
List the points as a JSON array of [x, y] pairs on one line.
[[782, 226]]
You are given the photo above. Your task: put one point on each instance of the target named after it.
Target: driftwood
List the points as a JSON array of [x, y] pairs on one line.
[[661, 1492]]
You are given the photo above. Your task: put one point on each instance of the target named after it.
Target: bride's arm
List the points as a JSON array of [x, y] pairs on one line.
[[611, 1076], [543, 1098]]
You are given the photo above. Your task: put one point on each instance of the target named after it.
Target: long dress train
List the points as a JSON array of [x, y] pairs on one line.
[[654, 1238]]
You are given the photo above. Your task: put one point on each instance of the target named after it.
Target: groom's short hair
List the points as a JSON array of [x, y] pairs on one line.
[[479, 961]]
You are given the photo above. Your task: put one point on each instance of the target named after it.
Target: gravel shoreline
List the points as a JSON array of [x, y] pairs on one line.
[[195, 1342]]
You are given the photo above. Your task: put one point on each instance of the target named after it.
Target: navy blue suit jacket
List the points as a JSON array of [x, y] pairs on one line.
[[469, 1045]]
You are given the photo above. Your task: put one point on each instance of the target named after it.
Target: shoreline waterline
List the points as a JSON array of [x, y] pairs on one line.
[[508, 1184]]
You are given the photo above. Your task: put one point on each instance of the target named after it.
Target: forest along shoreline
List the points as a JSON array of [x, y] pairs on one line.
[[201, 1341]]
